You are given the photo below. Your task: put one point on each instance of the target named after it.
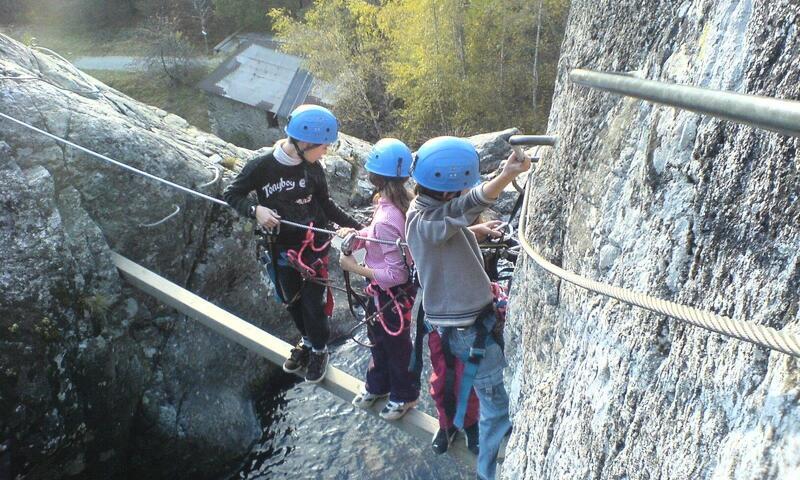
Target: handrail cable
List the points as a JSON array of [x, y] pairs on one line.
[[163, 220], [175, 185]]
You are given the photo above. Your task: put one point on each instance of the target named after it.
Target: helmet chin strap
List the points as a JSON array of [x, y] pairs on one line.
[[301, 151]]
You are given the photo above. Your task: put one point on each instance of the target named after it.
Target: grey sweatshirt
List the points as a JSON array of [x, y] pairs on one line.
[[455, 288]]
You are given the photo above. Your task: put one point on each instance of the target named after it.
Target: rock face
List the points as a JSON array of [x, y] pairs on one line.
[[96, 377], [683, 207]]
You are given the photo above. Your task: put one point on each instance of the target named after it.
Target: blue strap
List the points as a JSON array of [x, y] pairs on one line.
[[415, 363], [467, 380], [471, 364], [271, 260]]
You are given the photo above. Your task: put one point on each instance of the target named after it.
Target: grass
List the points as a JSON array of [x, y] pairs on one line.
[[72, 44], [186, 101]]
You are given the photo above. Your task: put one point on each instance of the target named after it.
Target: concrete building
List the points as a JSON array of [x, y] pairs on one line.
[[251, 94]]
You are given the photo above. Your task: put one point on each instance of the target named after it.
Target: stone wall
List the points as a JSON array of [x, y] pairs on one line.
[[683, 207], [241, 124]]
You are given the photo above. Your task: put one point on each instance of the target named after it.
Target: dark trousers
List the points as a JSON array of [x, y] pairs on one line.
[[388, 368], [305, 302]]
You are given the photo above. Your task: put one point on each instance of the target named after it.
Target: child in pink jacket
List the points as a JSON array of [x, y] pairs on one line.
[[391, 289]]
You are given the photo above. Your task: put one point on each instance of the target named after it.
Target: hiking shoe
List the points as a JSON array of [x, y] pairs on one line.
[[442, 439], [366, 399], [298, 358], [471, 437], [395, 410], [317, 366]]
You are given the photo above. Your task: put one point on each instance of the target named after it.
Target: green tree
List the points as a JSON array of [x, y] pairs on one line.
[[468, 68], [421, 68], [251, 15], [242, 14], [102, 13], [343, 45], [167, 52]]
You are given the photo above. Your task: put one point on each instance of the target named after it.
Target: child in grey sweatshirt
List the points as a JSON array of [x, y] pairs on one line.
[[456, 294]]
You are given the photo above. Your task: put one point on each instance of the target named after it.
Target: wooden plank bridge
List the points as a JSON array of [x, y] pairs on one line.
[[416, 423]]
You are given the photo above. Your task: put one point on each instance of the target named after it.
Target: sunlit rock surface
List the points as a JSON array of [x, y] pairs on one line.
[[680, 206]]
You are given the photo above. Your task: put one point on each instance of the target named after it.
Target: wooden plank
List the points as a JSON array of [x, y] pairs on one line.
[[345, 386]]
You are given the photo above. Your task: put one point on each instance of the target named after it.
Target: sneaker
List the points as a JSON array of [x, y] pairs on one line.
[[366, 400], [395, 410], [442, 440], [471, 437], [317, 366], [298, 358]]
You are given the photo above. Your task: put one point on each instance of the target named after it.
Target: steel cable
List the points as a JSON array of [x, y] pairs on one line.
[[175, 185]]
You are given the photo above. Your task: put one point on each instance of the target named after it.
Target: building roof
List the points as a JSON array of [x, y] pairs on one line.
[[260, 76], [232, 42]]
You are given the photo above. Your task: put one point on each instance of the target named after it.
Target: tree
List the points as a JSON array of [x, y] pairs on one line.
[[103, 13], [11, 11], [342, 44], [248, 15], [203, 10], [422, 68], [468, 67], [168, 51]]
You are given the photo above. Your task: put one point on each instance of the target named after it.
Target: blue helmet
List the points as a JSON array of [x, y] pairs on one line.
[[446, 164], [312, 124], [389, 157]]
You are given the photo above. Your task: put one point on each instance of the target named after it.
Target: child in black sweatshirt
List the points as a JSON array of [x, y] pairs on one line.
[[290, 184]]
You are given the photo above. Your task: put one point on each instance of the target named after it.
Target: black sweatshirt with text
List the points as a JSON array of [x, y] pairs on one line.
[[299, 193]]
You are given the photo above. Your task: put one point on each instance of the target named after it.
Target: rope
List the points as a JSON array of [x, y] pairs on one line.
[[743, 330], [171, 184]]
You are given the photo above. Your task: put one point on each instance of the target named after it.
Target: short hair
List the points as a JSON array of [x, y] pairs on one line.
[[420, 190]]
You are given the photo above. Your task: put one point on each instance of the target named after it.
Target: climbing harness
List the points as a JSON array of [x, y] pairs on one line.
[[488, 330], [312, 268], [353, 298], [350, 334], [267, 254], [319, 265], [402, 300], [471, 360], [401, 304]]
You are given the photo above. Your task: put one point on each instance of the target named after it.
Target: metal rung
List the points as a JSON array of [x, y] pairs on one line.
[[540, 140], [777, 115]]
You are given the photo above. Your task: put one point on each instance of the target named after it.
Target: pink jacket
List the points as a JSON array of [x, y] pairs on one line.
[[386, 261]]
